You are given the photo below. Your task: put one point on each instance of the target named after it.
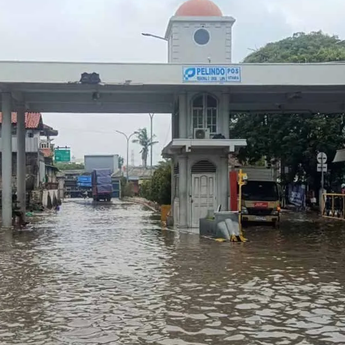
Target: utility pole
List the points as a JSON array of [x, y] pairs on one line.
[[322, 167], [128, 137], [151, 140]]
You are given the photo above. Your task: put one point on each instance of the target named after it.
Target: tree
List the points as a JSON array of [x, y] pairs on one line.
[[294, 139], [145, 142], [121, 161], [158, 189], [301, 48], [126, 188], [161, 184], [70, 166]]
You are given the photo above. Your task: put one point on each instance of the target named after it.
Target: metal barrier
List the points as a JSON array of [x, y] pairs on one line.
[[333, 206]]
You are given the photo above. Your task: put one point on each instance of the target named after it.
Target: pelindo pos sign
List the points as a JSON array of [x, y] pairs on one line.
[[211, 74]]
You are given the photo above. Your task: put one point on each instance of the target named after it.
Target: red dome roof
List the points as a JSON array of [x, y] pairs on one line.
[[199, 8]]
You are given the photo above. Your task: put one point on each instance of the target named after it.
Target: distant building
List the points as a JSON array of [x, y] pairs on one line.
[[136, 176], [39, 151], [101, 162], [71, 182]]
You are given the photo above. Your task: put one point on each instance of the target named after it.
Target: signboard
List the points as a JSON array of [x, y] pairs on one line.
[[297, 195], [321, 158], [84, 181], [322, 168], [62, 155], [211, 74]]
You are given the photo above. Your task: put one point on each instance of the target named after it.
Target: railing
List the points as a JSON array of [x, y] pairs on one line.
[[333, 206]]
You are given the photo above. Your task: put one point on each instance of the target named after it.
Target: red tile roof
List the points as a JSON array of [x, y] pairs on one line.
[[32, 120]]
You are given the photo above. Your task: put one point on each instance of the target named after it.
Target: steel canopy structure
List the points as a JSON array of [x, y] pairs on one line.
[[145, 88], [154, 88]]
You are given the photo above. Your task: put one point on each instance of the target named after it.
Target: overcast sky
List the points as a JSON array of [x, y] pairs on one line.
[[110, 31]]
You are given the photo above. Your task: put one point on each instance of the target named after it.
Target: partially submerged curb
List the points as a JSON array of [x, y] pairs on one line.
[[147, 203]]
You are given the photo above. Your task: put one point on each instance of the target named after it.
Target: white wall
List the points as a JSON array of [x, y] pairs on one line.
[[221, 180], [52, 193], [42, 172], [31, 144], [101, 162], [222, 115], [61, 190], [185, 50]]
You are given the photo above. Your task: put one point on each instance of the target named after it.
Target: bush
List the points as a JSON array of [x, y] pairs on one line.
[[159, 188], [145, 190], [126, 188]]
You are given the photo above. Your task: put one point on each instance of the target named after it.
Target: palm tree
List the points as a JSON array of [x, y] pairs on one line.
[[145, 142]]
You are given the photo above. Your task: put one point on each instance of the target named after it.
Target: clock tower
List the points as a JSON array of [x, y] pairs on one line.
[[198, 33]]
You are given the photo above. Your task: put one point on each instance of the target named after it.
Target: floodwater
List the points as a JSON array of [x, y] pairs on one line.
[[93, 274]]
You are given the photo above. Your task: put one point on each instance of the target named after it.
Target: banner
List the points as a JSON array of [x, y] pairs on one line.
[[297, 195], [211, 74]]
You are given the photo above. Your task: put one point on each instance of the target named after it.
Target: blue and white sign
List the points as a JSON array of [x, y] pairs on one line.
[[297, 195], [211, 74]]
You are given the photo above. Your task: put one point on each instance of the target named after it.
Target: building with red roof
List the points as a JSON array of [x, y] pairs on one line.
[[38, 145]]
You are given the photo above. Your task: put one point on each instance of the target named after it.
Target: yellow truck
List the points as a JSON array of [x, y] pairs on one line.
[[261, 197]]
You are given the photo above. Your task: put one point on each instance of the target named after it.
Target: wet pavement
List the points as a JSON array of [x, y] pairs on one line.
[[108, 274]]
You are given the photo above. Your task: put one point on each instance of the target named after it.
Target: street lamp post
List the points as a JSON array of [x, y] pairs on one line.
[[154, 36], [151, 140], [127, 138], [151, 115]]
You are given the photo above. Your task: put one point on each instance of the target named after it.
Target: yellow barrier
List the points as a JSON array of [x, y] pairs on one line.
[[333, 206], [165, 210]]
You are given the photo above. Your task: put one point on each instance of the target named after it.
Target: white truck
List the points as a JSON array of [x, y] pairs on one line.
[[261, 196]]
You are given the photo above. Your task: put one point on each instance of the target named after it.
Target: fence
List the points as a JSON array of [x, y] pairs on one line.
[[333, 206]]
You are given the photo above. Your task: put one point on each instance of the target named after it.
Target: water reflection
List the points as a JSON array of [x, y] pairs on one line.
[[108, 274]]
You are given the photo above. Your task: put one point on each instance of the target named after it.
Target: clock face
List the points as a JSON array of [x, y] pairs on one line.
[[201, 36]]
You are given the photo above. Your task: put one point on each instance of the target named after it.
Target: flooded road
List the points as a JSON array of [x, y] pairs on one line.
[[110, 275]]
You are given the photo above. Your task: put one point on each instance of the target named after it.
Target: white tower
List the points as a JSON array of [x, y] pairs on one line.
[[199, 34]]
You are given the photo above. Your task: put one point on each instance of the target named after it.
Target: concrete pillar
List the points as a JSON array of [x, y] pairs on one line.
[[172, 184], [183, 192], [183, 116], [173, 126], [223, 185], [224, 120], [21, 159], [6, 144]]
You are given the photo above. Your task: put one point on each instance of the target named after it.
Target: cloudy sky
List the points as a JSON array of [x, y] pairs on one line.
[[110, 31]]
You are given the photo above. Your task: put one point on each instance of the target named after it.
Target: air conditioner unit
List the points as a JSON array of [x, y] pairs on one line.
[[201, 133]]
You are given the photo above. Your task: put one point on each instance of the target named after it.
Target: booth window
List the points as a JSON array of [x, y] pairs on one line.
[[205, 110]]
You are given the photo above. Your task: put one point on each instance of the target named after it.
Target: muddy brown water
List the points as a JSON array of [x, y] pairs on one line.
[[107, 274]]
